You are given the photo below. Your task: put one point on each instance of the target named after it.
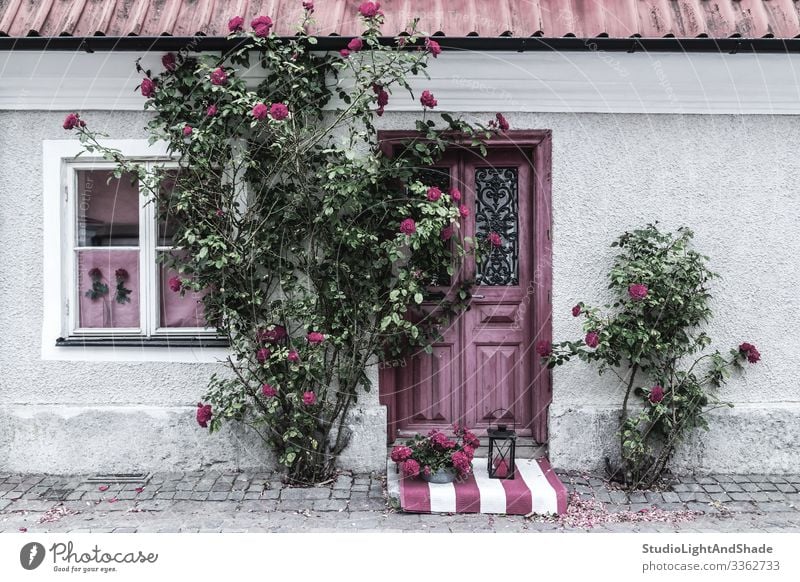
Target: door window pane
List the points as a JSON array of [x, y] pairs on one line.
[[496, 211]]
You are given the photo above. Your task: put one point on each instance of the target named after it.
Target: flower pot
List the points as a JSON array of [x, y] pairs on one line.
[[445, 475]]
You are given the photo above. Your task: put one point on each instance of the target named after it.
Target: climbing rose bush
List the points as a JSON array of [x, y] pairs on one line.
[[649, 336], [312, 260]]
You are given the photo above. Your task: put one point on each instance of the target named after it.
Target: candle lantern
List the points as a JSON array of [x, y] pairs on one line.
[[502, 450]]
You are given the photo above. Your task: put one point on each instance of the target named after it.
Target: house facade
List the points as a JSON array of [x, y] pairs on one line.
[[680, 113]]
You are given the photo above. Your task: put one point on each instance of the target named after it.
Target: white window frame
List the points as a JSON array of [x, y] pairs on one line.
[[61, 161]]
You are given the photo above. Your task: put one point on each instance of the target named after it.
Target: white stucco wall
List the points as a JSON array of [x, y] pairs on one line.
[[729, 177]]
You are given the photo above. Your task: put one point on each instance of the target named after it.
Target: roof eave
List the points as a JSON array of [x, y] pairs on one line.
[[473, 43]]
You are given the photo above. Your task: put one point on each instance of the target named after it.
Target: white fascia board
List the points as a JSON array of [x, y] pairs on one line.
[[567, 82]]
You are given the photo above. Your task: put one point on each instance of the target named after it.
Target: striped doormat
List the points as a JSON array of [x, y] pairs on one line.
[[536, 489]]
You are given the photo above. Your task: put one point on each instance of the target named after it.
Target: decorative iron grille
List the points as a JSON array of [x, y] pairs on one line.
[[497, 210]]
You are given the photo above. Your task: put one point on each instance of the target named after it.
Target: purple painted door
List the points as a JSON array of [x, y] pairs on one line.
[[485, 360]]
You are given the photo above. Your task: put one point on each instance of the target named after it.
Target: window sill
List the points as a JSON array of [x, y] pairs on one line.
[[143, 342]]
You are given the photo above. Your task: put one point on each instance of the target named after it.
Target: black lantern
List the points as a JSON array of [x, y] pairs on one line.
[[502, 451]]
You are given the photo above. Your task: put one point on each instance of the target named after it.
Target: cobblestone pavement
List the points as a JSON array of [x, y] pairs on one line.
[[238, 502]]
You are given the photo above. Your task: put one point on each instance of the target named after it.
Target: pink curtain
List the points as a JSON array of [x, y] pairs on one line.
[[177, 310], [105, 312]]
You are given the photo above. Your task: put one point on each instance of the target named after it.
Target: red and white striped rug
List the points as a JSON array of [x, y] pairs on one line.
[[536, 489]]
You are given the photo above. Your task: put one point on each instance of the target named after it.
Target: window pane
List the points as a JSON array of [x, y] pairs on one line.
[[108, 212], [166, 217], [178, 310], [496, 203], [108, 288]]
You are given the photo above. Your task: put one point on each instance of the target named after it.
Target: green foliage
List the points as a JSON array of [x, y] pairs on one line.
[[651, 343], [294, 224]]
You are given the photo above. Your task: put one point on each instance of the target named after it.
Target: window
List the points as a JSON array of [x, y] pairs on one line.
[[115, 286], [104, 284]]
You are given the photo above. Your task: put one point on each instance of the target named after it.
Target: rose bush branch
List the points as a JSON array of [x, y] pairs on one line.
[[650, 336]]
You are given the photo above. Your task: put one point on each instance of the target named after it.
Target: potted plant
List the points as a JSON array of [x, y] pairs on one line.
[[437, 457]]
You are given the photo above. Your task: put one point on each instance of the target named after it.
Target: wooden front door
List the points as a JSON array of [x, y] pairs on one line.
[[485, 367]]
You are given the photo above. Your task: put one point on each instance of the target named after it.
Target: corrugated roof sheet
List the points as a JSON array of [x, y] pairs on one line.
[[452, 18]]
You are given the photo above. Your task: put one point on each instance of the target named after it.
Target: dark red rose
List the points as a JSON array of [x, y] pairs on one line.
[[72, 121], [656, 394], [262, 25], [203, 414], [592, 339], [576, 311], [148, 87], [169, 62], [750, 351], [278, 111], [501, 122], [544, 348], [637, 291], [428, 100], [236, 24]]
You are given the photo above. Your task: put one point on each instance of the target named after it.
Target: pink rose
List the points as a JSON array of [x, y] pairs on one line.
[[269, 391], [309, 398], [381, 98], [72, 121], [409, 467], [433, 47], [203, 414], [501, 122], [187, 130], [408, 226], [315, 337], [169, 62], [401, 453], [637, 291], [219, 76], [455, 194], [370, 9], [175, 284], [278, 111], [293, 356], [494, 239], [428, 100], [463, 211], [259, 111], [236, 24], [576, 311], [544, 348], [344, 53], [592, 339], [262, 25], [355, 45], [656, 394], [148, 87], [262, 355], [434, 194], [447, 232], [211, 111]]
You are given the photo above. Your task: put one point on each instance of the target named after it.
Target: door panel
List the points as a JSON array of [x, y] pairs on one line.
[[484, 362]]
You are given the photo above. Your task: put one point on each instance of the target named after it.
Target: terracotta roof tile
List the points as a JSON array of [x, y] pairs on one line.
[[453, 18]]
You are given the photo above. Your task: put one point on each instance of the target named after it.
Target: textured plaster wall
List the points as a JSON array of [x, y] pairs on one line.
[[728, 177], [732, 179], [84, 416]]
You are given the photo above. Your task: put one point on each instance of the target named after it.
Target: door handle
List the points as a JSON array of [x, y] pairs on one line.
[[477, 296]]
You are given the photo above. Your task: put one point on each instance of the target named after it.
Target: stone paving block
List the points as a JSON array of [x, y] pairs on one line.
[[305, 493], [199, 495], [766, 486], [720, 497], [714, 488], [786, 488], [295, 504], [330, 505], [772, 506], [741, 478], [360, 488], [707, 481], [5, 503], [343, 482], [741, 496], [637, 497], [258, 506], [340, 494], [671, 497], [695, 506], [750, 487], [603, 496], [618, 497], [218, 496]]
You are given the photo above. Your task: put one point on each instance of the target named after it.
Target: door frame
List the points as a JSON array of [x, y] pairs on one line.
[[537, 146]]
